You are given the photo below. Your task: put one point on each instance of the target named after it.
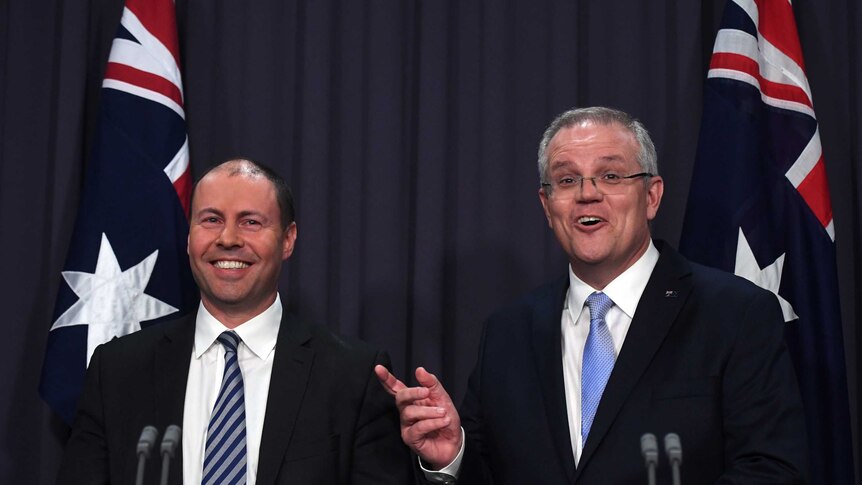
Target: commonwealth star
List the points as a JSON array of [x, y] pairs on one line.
[[768, 278], [111, 301]]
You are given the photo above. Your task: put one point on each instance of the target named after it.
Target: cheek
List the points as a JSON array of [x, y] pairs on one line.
[[195, 246], [557, 215], [265, 247], [198, 246], [560, 225]]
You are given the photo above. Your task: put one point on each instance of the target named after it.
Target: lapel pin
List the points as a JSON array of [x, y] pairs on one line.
[[671, 294]]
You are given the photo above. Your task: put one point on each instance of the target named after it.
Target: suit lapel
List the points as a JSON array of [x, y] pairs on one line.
[[291, 368], [548, 355], [171, 366], [662, 299]]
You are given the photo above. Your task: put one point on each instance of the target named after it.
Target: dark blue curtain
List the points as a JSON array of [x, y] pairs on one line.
[[408, 131]]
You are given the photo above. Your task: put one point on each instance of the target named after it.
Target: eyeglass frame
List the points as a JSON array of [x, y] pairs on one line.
[[578, 180]]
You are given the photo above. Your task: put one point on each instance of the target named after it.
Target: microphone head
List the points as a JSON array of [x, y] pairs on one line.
[[673, 447], [147, 440], [649, 449], [171, 440]]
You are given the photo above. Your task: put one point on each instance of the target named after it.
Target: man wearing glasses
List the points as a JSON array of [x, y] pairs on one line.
[[634, 339]]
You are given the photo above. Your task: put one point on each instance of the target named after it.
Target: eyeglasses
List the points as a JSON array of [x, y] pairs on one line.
[[608, 183]]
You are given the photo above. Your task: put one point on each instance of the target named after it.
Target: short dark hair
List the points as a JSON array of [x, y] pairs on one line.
[[246, 166]]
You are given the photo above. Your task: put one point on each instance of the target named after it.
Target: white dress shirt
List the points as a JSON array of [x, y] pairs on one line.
[[625, 290], [206, 369]]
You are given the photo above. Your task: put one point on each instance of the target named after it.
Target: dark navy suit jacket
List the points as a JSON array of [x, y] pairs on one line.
[[704, 358], [328, 420]]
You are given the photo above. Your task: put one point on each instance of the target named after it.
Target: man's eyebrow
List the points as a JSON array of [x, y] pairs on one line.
[[605, 159], [254, 213], [209, 210], [560, 163]]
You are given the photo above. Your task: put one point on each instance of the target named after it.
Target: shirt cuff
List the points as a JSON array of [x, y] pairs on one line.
[[449, 473]]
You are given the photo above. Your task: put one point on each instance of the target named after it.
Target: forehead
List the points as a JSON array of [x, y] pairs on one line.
[[592, 143], [221, 189]]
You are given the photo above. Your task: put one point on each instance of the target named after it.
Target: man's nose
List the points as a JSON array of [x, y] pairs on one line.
[[229, 237]]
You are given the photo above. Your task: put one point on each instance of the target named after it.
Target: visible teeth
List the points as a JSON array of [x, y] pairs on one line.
[[589, 220], [230, 264]]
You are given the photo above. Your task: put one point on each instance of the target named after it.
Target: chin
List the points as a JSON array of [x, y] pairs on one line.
[[227, 298], [590, 255]]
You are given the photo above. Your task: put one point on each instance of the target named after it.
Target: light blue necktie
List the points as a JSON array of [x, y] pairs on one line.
[[598, 362], [225, 455]]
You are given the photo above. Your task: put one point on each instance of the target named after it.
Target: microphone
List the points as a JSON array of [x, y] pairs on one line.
[[169, 447], [649, 450], [673, 448], [145, 445]]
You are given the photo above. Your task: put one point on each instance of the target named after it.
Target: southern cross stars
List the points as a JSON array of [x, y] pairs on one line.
[[768, 278], [111, 301]]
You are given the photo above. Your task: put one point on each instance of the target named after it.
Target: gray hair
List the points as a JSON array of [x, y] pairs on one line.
[[647, 158]]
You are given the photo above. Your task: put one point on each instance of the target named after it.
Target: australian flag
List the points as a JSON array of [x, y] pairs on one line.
[[759, 207], [127, 265]]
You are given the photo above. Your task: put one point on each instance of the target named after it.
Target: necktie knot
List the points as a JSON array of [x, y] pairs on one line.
[[229, 340], [599, 304]]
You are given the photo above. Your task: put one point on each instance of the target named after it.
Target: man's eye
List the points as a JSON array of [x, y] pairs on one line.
[[566, 182], [611, 176], [211, 220]]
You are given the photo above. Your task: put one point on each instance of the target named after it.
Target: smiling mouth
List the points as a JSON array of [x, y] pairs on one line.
[[230, 264], [589, 220]]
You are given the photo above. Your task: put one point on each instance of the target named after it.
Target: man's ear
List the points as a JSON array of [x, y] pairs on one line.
[[655, 189], [543, 198], [288, 241]]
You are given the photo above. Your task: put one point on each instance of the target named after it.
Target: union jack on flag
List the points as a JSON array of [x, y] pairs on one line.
[[127, 264], [759, 206]]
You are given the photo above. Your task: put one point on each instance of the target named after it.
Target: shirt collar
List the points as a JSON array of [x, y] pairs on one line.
[[258, 334], [625, 290]]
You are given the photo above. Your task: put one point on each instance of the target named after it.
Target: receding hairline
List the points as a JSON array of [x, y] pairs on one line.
[[243, 167], [238, 167], [596, 123]]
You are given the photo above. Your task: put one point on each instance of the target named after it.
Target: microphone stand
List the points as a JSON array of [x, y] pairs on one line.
[[145, 444], [649, 450], [673, 448], [169, 447]]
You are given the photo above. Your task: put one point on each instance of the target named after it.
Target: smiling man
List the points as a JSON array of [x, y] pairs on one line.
[[238, 237], [261, 396], [634, 339]]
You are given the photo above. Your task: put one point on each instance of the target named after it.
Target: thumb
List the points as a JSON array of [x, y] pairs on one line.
[[430, 381]]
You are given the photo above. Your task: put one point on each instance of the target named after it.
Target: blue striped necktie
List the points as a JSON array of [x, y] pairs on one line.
[[225, 455], [599, 357]]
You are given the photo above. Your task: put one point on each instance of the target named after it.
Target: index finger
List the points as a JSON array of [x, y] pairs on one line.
[[389, 382]]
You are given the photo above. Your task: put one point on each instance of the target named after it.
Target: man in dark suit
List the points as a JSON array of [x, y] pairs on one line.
[[635, 339], [261, 396]]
